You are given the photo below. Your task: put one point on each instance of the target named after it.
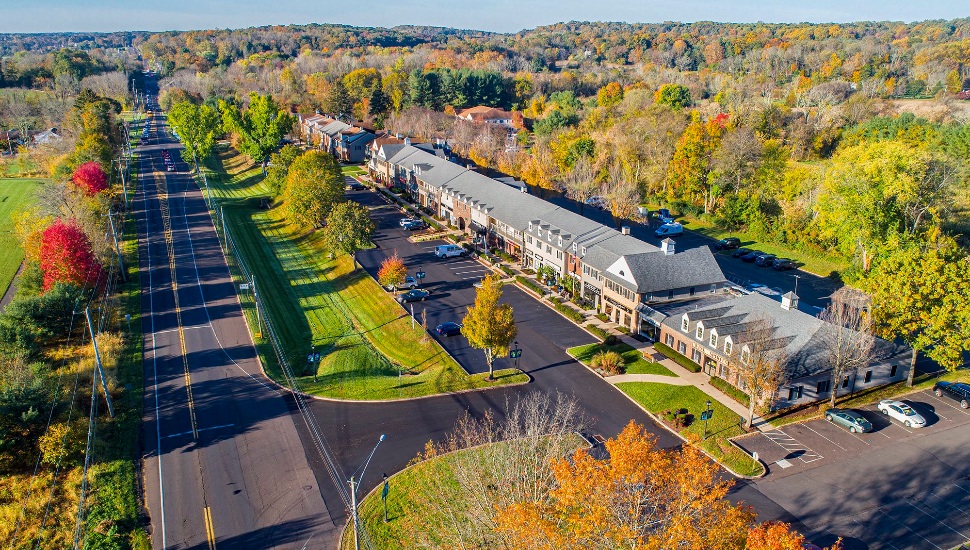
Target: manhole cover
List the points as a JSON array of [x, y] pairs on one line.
[[783, 463]]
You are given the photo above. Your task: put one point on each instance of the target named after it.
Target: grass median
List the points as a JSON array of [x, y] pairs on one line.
[[724, 424], [634, 362], [15, 195], [368, 346]]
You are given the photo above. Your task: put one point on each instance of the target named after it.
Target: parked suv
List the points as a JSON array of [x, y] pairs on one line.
[[783, 264], [956, 391], [729, 243], [765, 260]]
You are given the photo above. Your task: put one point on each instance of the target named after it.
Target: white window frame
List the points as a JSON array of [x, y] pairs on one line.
[[685, 324], [713, 339], [745, 355], [728, 346], [699, 331]]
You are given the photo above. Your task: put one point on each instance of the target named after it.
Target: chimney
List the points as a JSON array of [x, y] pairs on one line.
[[407, 141], [789, 301], [667, 246], [625, 230]]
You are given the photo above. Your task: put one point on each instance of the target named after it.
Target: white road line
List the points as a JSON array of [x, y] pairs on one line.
[[866, 528], [183, 328], [894, 520], [472, 271], [151, 309], [200, 430], [791, 445], [823, 437], [932, 517], [948, 505], [945, 402]]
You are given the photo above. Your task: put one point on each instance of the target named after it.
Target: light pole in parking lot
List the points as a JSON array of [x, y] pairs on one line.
[[515, 353], [705, 416], [353, 489]]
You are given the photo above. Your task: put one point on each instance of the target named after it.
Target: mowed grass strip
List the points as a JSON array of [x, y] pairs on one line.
[[658, 398], [367, 346], [632, 358], [15, 195]]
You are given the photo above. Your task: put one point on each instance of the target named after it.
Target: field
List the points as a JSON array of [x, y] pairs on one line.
[[15, 195], [367, 345], [657, 398]]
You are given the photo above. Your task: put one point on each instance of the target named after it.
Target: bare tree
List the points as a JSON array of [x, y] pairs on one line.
[[759, 361], [848, 334], [511, 466], [622, 195], [738, 156], [580, 182]]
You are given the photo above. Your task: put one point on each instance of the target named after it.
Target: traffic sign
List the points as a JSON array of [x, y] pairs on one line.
[[515, 354], [419, 275], [309, 358], [706, 415], [316, 357]]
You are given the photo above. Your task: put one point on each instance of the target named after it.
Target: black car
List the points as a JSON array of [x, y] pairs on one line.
[[765, 260], [729, 243], [783, 264], [357, 186], [740, 252], [448, 329], [956, 391], [415, 295], [751, 256], [413, 225]]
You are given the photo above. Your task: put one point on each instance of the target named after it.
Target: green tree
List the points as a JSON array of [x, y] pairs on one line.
[[349, 228], [338, 101], [279, 166], [24, 393], [675, 96], [197, 127], [379, 105], [920, 294], [488, 325], [314, 184], [260, 128]]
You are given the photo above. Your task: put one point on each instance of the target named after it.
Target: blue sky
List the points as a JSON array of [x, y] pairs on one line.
[[493, 15]]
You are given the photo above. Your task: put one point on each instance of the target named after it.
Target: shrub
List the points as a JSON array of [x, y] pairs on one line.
[[603, 317], [507, 270], [529, 271], [729, 390], [602, 334], [678, 358], [528, 283], [609, 361], [569, 312], [623, 329]]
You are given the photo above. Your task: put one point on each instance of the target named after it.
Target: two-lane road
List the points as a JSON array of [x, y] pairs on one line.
[[224, 464]]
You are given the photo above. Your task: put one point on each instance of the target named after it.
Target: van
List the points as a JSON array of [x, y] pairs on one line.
[[448, 251], [669, 230]]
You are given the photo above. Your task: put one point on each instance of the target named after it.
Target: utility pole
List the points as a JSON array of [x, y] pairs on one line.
[[124, 185], [121, 262], [99, 369]]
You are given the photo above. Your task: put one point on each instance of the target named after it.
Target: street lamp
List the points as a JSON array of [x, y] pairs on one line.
[[706, 415], [354, 483], [515, 353]]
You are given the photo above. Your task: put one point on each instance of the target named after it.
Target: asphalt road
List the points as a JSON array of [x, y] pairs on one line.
[[223, 462], [812, 289], [895, 487]]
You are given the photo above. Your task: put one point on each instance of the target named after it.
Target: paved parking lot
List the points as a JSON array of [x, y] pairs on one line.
[[895, 487]]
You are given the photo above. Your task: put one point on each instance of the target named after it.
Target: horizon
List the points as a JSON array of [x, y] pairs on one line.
[[108, 16]]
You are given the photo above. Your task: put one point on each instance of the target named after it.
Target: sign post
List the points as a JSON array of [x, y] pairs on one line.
[[384, 496], [515, 353], [705, 416]]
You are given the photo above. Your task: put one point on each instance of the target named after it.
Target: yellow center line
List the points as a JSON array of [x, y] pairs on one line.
[[210, 532], [170, 247]]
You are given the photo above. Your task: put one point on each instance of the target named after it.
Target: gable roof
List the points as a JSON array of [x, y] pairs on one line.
[[657, 271]]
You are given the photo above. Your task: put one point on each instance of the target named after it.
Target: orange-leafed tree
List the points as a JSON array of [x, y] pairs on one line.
[[66, 256], [392, 272], [775, 535], [90, 177], [640, 497]]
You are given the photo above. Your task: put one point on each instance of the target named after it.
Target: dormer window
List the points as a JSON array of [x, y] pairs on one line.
[[530, 226], [699, 333], [728, 346], [713, 340], [685, 324], [584, 251], [575, 247], [745, 355]]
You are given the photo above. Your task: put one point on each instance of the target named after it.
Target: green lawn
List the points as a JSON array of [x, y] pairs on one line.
[[15, 195], [368, 348], [658, 398], [635, 363], [352, 170]]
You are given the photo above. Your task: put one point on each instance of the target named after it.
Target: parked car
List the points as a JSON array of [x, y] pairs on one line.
[[740, 252], [404, 221], [413, 225], [449, 251], [751, 256], [357, 186], [669, 230], [665, 216], [848, 419], [729, 243], [765, 260], [902, 412], [409, 283], [956, 391], [597, 202], [415, 295], [448, 329], [784, 264]]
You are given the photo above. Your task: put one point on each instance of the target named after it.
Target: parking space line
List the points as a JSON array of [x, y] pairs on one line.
[[790, 444], [867, 529], [945, 402], [470, 271], [823, 437], [931, 516], [880, 510], [947, 504]]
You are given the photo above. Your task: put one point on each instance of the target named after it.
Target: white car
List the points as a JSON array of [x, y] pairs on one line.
[[902, 412]]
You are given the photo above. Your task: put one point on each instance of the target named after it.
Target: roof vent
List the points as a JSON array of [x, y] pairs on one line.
[[407, 141], [625, 230], [789, 301], [667, 245]]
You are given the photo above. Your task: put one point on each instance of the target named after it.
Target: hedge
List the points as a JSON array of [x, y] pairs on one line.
[[730, 391], [507, 270], [678, 358], [529, 284], [603, 334], [570, 312]]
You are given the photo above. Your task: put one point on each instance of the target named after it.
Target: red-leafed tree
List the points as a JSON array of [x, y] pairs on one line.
[[66, 256], [90, 177]]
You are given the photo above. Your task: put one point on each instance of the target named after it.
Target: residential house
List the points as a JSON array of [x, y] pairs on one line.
[[494, 116], [714, 331]]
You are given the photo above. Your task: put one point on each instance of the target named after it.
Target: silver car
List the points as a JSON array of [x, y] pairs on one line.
[[848, 419], [902, 412]]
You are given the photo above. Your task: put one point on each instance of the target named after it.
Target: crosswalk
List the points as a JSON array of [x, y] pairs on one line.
[[793, 446]]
